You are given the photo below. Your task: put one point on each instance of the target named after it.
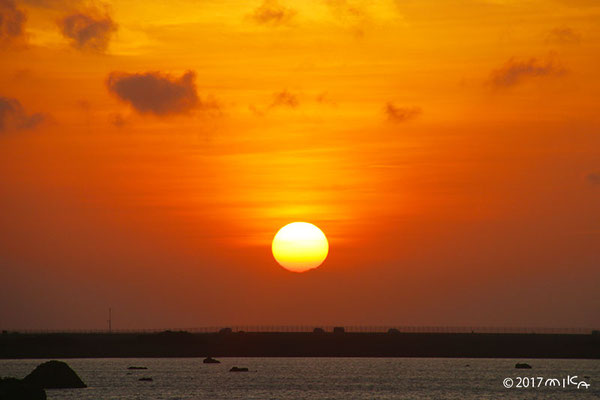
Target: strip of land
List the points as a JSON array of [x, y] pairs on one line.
[[300, 344]]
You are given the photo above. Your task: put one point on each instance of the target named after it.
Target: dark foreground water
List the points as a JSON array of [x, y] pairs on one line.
[[323, 378]]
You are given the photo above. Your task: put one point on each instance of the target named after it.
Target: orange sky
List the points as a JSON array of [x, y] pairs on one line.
[[150, 150]]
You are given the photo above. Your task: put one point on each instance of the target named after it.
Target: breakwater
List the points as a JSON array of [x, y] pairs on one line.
[[298, 344]]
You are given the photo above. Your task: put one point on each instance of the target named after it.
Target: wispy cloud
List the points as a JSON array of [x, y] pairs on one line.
[[346, 9], [282, 99], [594, 178], [563, 35], [155, 92], [271, 12], [117, 120], [13, 116], [285, 99], [514, 72], [12, 23], [55, 4], [401, 114], [352, 13], [325, 98], [88, 30]]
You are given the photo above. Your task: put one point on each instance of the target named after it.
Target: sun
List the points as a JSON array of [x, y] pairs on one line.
[[300, 246]]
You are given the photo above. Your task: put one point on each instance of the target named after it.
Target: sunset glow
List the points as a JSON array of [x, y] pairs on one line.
[[150, 150]]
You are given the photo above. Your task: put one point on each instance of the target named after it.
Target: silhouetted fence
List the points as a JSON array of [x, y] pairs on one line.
[[329, 328]]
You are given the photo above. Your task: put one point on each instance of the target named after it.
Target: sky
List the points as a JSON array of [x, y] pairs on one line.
[[150, 150]]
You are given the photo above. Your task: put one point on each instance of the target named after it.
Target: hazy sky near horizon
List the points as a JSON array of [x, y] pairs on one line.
[[150, 150]]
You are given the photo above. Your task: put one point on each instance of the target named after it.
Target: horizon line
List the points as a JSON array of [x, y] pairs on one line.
[[300, 328]]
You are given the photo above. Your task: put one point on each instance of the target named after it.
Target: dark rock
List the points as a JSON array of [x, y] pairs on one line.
[[238, 369], [137, 367], [210, 360], [522, 366], [18, 389], [146, 379], [54, 375]]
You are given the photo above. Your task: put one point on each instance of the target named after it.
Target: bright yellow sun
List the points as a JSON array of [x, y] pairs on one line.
[[300, 246]]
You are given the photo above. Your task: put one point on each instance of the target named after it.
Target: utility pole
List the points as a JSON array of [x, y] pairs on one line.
[[109, 320]]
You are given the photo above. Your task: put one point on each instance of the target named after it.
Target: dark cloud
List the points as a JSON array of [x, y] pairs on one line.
[[270, 12], [285, 99], [563, 35], [156, 93], [594, 178], [401, 114], [515, 72], [88, 31], [14, 118], [55, 4], [12, 22]]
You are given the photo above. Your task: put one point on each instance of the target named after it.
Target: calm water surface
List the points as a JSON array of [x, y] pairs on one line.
[[317, 378]]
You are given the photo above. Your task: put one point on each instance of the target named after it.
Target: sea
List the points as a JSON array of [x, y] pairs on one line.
[[324, 378]]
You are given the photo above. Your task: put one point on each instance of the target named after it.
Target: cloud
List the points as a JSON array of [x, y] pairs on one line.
[[594, 178], [117, 120], [88, 31], [324, 98], [270, 12], [12, 22], [156, 93], [351, 13], [53, 4], [401, 114], [14, 118], [515, 72], [563, 36], [346, 9], [285, 99]]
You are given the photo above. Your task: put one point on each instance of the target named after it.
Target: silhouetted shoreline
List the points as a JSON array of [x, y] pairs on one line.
[[299, 344]]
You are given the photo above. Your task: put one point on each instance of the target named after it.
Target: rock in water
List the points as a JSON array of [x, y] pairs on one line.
[[17, 389], [522, 366], [210, 360], [238, 369], [54, 375]]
